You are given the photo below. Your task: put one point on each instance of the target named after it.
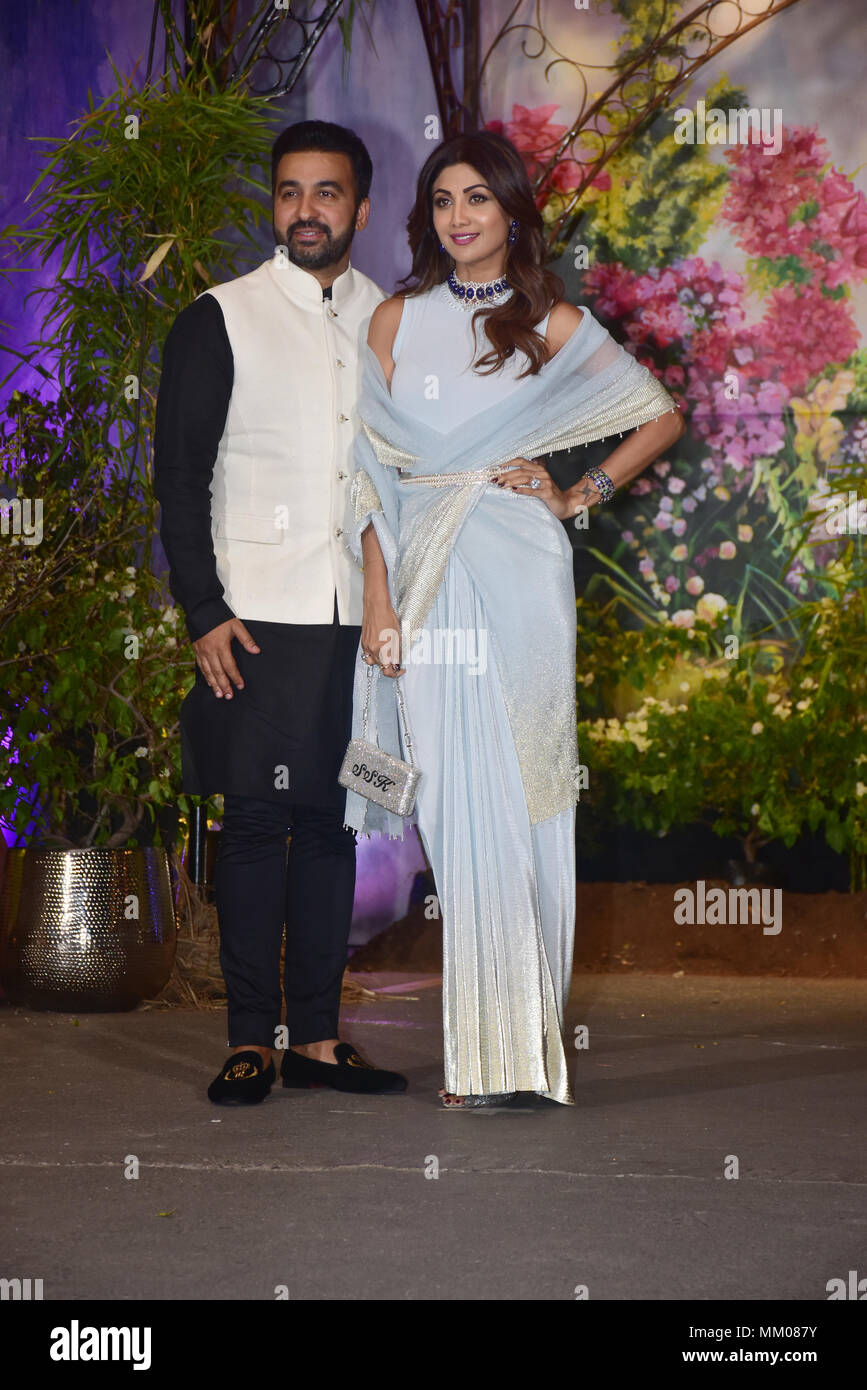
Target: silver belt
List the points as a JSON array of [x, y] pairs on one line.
[[477, 475]]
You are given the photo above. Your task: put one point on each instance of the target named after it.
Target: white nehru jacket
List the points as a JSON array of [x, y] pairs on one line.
[[279, 489]]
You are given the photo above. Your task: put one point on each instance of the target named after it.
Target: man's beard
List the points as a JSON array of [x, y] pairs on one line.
[[328, 252]]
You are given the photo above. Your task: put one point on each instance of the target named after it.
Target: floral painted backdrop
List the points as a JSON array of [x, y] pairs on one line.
[[764, 360], [774, 405]]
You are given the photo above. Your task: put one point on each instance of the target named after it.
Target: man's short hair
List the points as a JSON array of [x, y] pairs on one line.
[[331, 139]]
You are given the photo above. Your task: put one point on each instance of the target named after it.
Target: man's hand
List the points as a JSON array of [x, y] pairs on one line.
[[214, 656]]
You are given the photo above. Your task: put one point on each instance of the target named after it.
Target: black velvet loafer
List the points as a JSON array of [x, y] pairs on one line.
[[244, 1080], [348, 1073]]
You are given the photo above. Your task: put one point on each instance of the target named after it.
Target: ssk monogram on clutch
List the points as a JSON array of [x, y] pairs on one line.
[[375, 774]]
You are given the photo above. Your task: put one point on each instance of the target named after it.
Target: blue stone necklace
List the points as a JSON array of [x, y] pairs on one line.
[[471, 294]]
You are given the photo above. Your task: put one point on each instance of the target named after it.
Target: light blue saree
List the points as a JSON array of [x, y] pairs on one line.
[[481, 580]]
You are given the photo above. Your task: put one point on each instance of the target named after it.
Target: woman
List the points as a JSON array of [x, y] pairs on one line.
[[458, 530]]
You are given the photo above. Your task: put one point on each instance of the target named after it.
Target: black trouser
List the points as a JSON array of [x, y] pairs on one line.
[[258, 888]]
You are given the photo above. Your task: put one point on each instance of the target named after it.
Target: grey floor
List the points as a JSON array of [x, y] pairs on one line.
[[330, 1196]]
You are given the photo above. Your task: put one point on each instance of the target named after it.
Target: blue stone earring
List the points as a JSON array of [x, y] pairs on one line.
[[513, 231]]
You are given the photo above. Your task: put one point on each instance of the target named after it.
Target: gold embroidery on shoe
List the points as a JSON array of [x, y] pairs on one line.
[[353, 1060], [241, 1070]]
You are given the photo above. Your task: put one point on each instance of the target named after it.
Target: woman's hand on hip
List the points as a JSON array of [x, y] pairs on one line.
[[520, 479], [380, 634]]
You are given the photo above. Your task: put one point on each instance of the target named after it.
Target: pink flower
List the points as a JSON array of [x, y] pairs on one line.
[[536, 136], [614, 288], [684, 617], [792, 341], [641, 486], [531, 129], [568, 175], [798, 207]]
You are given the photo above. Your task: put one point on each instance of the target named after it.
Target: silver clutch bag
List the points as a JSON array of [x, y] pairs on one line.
[[375, 774]]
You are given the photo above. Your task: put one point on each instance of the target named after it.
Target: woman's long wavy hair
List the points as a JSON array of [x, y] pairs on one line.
[[509, 326]]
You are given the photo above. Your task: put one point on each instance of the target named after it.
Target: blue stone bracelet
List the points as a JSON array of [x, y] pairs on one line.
[[602, 483]]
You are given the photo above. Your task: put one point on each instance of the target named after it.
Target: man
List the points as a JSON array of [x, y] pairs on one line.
[[254, 429]]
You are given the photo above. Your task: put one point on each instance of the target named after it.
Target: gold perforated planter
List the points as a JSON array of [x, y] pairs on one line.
[[85, 930]]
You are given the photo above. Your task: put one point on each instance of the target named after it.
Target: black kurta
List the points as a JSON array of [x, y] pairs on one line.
[[295, 711]]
